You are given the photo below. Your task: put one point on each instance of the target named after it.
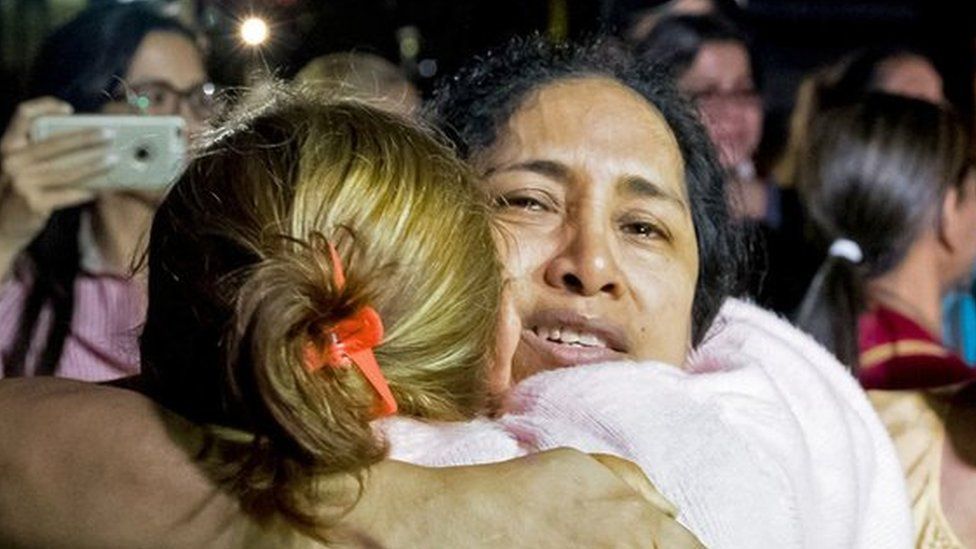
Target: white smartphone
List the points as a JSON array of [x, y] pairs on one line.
[[151, 150]]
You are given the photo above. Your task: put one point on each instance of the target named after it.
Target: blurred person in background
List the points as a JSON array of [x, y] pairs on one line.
[[795, 251], [890, 182], [363, 76], [643, 15], [709, 59], [711, 63], [893, 178], [68, 303]]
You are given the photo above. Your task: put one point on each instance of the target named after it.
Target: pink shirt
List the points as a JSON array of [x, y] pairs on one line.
[[109, 311]]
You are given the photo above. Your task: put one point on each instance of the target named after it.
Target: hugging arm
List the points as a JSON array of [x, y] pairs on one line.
[[90, 466]]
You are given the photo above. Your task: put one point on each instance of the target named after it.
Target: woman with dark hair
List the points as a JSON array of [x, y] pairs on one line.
[[896, 70], [615, 237], [709, 58], [710, 61], [600, 173], [890, 182], [68, 305]]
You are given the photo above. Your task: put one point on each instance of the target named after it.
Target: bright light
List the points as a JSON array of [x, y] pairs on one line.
[[254, 31]]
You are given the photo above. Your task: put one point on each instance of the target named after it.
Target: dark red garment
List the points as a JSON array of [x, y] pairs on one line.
[[897, 353]]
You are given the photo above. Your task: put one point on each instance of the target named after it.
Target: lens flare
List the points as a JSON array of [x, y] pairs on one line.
[[254, 31]]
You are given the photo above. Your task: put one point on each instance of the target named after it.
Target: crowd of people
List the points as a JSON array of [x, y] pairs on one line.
[[555, 304]]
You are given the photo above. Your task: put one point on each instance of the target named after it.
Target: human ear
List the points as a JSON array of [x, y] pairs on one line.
[[949, 220]]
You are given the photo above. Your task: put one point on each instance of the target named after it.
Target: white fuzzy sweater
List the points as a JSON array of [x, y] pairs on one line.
[[763, 440]]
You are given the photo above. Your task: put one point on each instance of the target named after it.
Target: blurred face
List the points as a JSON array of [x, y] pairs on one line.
[[911, 76], [959, 225], [167, 70], [720, 82], [588, 185], [167, 73]]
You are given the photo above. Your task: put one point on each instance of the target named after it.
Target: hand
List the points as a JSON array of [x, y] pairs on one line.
[[37, 178], [560, 498], [89, 466]]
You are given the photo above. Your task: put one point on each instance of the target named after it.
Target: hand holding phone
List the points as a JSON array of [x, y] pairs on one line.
[[37, 178], [148, 151]]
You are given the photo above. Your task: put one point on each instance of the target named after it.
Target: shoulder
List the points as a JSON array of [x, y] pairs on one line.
[[832, 435], [678, 432], [107, 467]]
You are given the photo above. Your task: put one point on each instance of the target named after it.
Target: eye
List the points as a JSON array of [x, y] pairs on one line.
[[641, 229], [645, 230], [525, 202]]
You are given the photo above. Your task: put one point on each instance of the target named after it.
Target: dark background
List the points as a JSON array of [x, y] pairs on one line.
[[790, 36]]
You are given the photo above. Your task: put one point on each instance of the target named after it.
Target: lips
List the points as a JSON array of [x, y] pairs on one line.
[[566, 338]]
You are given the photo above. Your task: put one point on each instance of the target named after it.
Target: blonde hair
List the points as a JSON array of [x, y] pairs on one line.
[[240, 280]]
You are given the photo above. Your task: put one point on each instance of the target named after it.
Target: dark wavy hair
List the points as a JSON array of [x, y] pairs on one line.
[[80, 63], [480, 99], [676, 40]]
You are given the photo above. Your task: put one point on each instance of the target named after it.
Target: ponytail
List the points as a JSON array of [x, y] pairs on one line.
[[252, 330], [834, 302], [873, 176], [312, 421]]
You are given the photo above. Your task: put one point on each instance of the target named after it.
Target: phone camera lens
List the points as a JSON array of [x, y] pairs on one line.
[[143, 154]]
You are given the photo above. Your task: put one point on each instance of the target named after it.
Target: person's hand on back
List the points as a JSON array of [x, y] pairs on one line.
[[89, 466], [559, 498]]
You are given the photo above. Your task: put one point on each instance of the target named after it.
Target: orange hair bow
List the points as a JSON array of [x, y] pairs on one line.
[[351, 340]]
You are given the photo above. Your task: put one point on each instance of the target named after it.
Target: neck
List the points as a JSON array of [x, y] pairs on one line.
[[913, 288], [120, 225]]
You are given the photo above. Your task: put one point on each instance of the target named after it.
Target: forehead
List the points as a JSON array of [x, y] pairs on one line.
[[596, 124], [167, 55], [720, 58]]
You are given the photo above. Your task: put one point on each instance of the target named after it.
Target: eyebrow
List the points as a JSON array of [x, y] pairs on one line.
[[629, 184], [547, 168], [637, 185]]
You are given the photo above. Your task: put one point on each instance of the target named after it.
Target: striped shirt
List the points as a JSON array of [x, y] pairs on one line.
[[109, 311]]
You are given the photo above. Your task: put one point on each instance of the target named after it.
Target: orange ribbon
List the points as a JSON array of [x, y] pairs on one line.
[[351, 340]]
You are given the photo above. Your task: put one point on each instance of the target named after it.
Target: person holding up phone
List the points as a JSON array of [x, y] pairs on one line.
[[68, 304]]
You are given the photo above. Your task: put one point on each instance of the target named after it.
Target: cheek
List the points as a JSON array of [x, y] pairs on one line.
[[523, 250], [665, 300]]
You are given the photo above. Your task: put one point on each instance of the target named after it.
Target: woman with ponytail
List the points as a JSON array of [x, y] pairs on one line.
[[890, 182], [304, 235], [320, 266]]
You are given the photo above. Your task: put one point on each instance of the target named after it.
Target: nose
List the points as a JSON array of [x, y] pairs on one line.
[[194, 123], [586, 266]]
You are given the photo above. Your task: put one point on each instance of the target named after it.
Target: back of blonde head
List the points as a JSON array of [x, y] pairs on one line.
[[240, 280]]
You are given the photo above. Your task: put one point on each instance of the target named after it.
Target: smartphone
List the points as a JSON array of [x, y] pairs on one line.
[[151, 150]]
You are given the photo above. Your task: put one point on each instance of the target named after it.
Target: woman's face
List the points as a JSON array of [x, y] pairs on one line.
[[165, 65], [596, 231], [720, 82], [166, 62], [959, 224]]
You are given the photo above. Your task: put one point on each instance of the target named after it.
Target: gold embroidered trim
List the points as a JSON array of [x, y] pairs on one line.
[[886, 351]]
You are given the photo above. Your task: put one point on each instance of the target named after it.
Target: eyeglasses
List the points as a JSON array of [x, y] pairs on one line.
[[158, 97]]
